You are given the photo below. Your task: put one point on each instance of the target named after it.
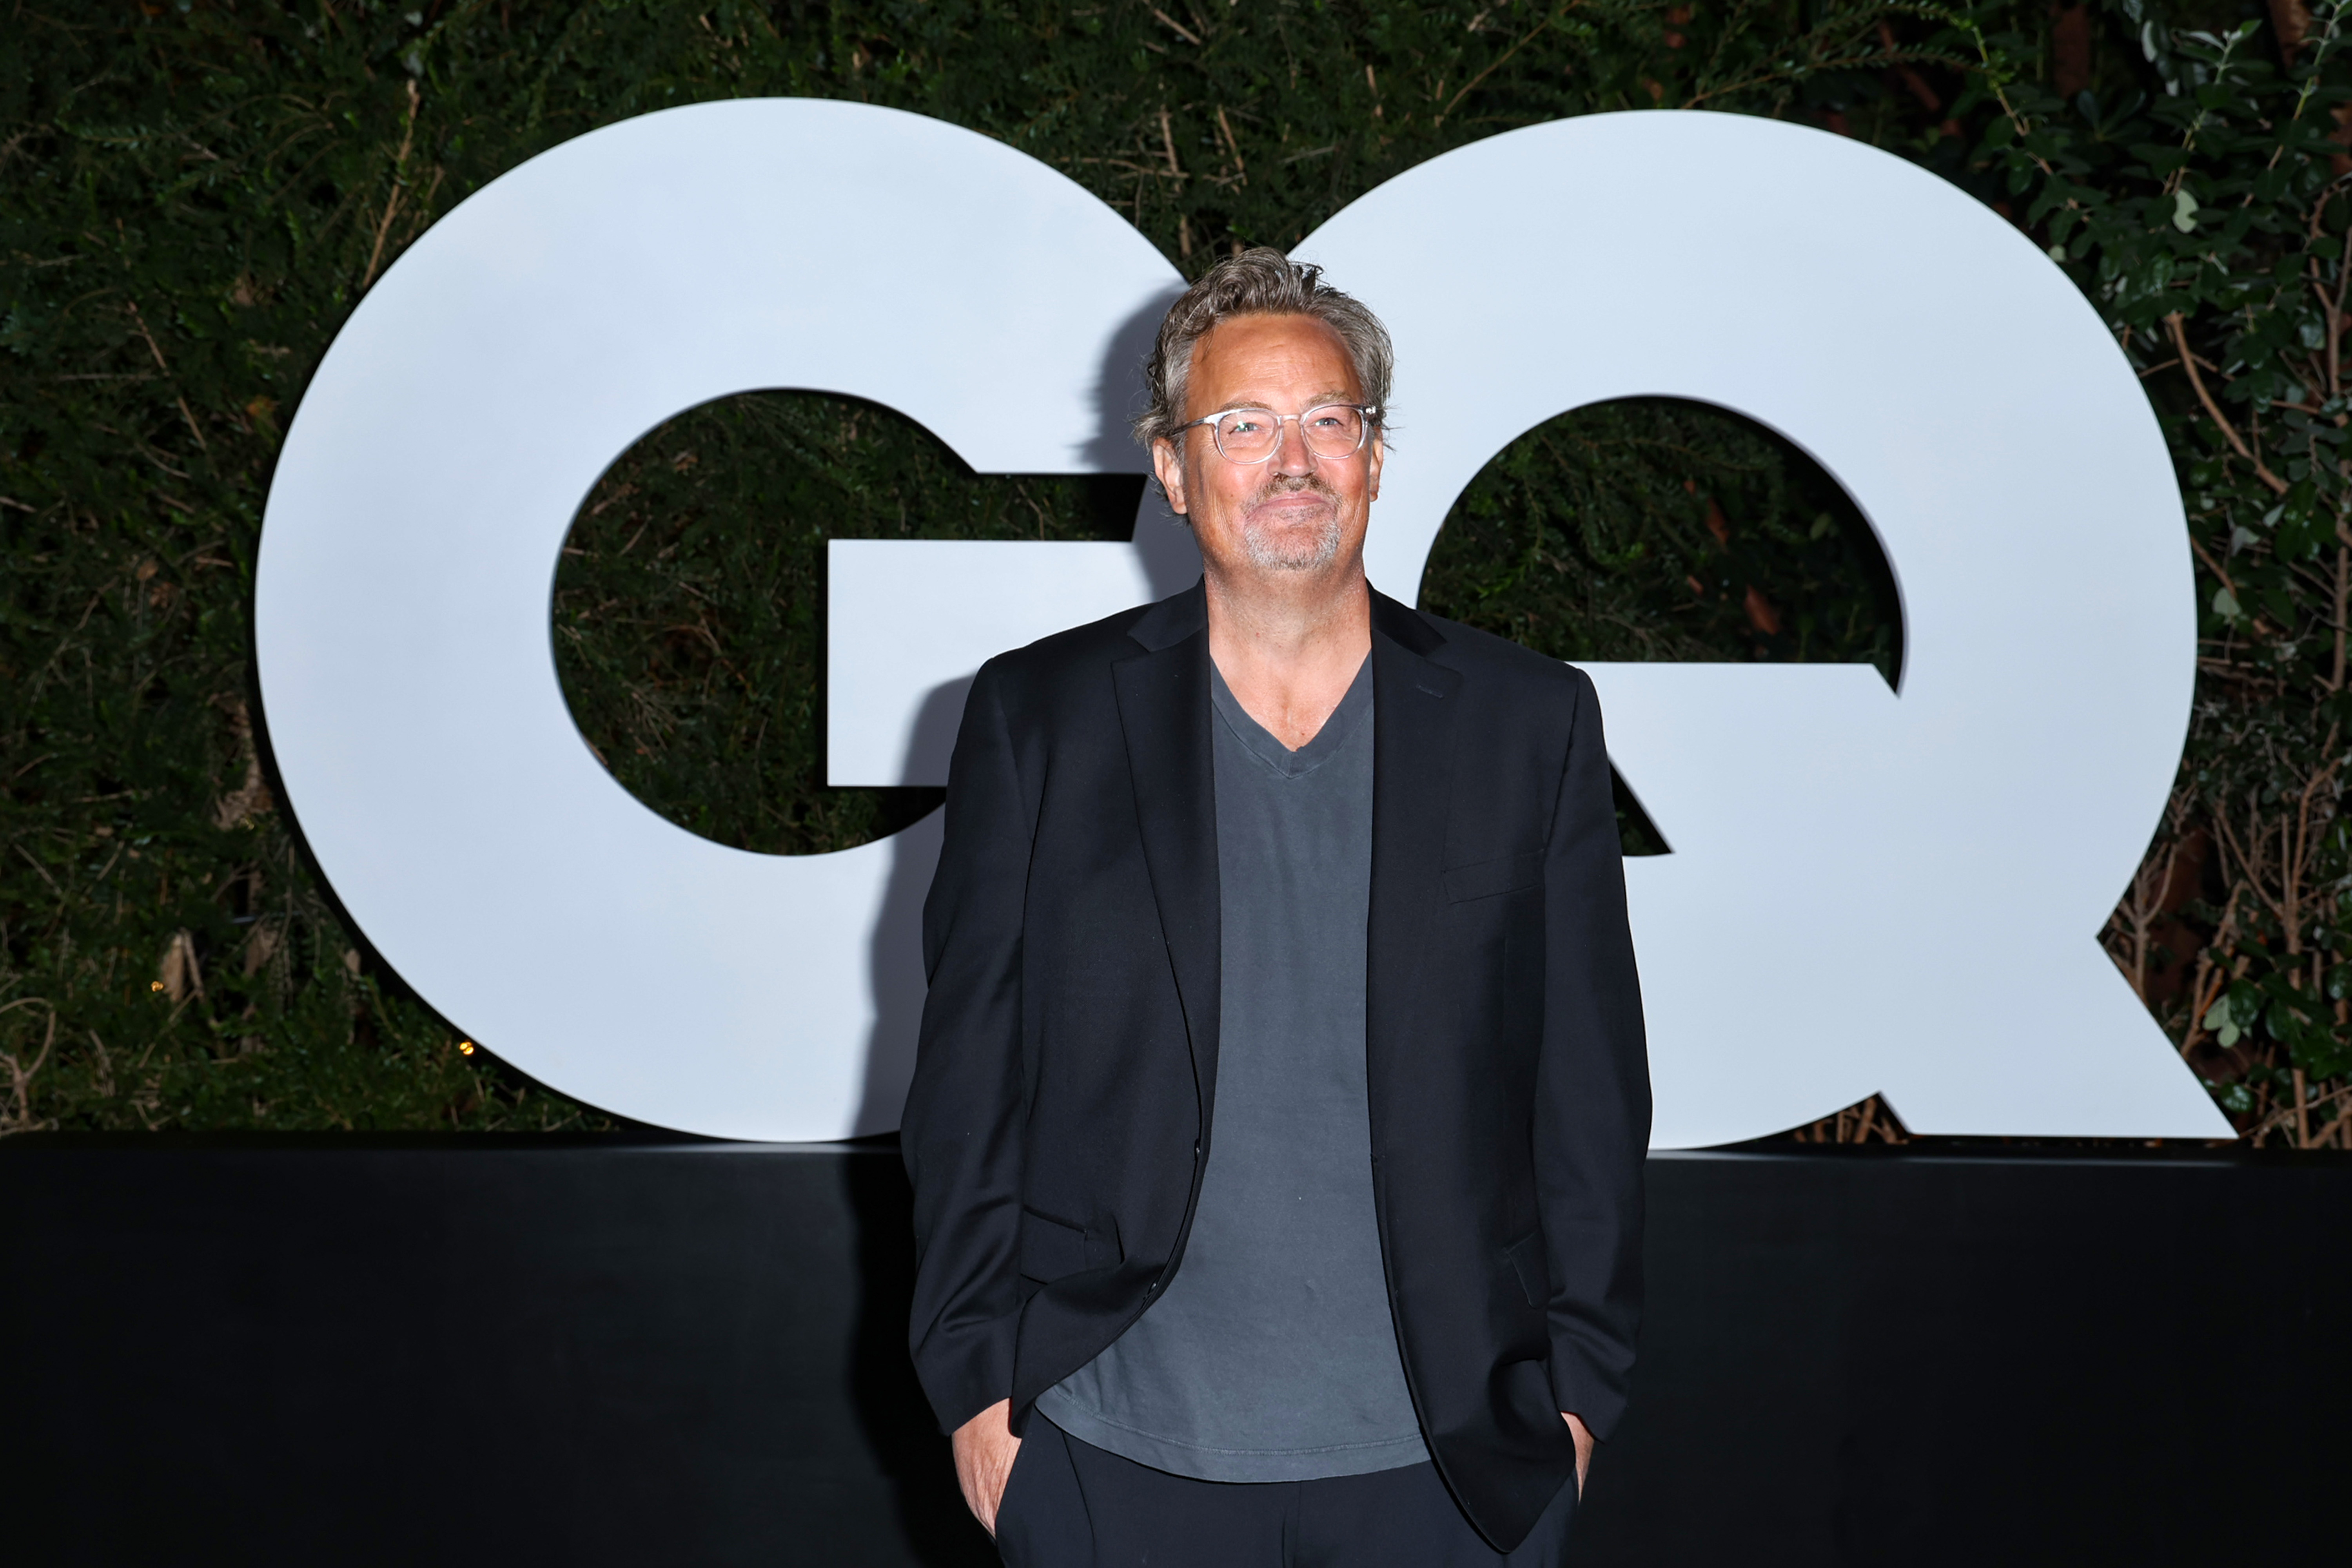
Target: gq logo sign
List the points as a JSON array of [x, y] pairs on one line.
[[1869, 892]]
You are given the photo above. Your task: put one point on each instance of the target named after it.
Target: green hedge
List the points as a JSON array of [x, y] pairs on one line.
[[194, 195]]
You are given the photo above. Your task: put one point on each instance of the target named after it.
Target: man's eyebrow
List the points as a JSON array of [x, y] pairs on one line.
[[1318, 401]]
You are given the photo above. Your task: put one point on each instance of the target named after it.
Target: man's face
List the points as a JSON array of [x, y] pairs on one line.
[[1295, 512]]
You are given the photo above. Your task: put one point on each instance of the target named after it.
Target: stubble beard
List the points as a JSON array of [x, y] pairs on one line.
[[1288, 551]]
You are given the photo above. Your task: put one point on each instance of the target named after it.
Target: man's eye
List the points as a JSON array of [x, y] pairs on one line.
[[1244, 426]]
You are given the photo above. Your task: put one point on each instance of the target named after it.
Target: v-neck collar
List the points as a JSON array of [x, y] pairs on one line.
[[1261, 742]]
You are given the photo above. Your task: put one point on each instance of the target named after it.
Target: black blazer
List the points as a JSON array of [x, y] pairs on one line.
[[1061, 1110]]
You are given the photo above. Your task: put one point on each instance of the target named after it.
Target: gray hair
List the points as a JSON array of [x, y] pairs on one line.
[[1260, 281]]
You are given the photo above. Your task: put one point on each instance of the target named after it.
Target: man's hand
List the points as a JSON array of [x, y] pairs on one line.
[[1575, 1429], [984, 1446]]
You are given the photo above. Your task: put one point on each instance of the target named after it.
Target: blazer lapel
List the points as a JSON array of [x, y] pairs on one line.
[[1414, 709], [1163, 707]]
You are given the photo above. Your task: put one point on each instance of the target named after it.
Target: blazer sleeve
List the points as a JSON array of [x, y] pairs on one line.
[[962, 1132], [1592, 1089]]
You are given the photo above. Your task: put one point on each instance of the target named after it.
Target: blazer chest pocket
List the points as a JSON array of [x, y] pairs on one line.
[[1055, 1248], [1487, 879]]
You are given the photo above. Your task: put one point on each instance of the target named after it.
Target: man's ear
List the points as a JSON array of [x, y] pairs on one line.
[[1372, 468], [1168, 466]]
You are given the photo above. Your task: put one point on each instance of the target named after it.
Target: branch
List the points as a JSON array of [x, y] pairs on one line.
[[2252, 882], [1178, 27], [1455, 102], [155, 349], [2213, 410], [1232, 143], [2214, 567], [399, 187]]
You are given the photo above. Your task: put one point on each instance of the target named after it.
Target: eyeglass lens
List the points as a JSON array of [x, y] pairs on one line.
[[1250, 435]]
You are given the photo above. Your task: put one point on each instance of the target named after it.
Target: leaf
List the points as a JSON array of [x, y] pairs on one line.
[[2184, 211]]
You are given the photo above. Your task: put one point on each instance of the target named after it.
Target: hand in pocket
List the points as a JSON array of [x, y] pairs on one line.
[[984, 1450]]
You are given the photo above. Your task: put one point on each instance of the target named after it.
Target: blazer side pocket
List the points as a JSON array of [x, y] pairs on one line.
[[1526, 1260], [1050, 1248], [1487, 879]]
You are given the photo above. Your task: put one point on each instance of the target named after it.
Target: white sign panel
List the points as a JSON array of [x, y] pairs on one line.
[[1869, 892]]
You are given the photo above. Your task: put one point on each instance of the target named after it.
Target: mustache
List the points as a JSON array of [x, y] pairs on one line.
[[1291, 485]]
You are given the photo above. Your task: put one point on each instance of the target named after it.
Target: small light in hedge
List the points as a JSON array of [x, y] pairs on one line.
[[155, 985], [465, 1047]]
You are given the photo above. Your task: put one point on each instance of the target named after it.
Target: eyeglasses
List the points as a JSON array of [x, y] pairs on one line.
[[1251, 435]]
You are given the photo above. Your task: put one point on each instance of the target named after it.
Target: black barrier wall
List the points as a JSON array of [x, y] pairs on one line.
[[633, 1352]]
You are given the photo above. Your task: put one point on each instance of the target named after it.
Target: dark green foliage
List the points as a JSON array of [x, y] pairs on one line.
[[687, 624], [191, 199], [1610, 533], [2198, 193]]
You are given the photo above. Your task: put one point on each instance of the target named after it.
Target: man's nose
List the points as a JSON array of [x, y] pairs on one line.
[[1290, 454]]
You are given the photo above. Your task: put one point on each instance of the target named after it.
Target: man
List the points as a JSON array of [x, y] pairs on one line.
[[1277, 1125]]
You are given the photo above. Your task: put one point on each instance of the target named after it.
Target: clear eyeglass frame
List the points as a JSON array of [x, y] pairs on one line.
[[1366, 417]]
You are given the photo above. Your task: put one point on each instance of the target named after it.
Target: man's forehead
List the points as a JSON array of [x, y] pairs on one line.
[[1274, 350], [1270, 330]]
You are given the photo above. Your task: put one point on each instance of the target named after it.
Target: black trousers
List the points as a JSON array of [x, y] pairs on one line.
[[1069, 1504]]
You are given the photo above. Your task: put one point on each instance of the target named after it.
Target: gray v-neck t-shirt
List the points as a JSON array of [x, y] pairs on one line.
[[1272, 1355]]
